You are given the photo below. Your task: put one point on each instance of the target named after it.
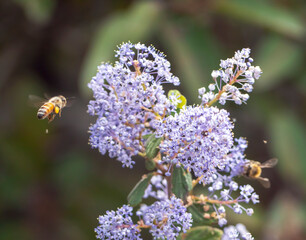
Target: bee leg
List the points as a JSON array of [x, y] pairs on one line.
[[51, 117]]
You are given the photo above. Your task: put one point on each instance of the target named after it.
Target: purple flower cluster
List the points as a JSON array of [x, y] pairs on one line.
[[236, 233], [222, 187], [237, 70], [117, 225], [166, 218], [128, 96], [157, 188], [131, 106], [197, 137]]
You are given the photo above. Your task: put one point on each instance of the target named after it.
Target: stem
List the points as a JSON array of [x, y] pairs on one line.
[[115, 92], [137, 68], [203, 199], [169, 183], [231, 82], [195, 182]]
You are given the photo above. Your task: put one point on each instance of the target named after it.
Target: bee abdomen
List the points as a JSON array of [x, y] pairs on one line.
[[45, 110], [40, 114]]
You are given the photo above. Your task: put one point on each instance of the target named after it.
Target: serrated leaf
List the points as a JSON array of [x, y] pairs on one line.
[[181, 182], [264, 14], [136, 24], [135, 196], [202, 233], [152, 146]]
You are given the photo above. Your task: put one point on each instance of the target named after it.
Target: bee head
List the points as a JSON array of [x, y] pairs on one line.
[[64, 101]]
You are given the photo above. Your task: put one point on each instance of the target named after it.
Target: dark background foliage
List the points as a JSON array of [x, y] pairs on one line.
[[54, 186]]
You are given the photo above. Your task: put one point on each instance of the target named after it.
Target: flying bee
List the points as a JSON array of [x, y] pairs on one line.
[[50, 108], [253, 170]]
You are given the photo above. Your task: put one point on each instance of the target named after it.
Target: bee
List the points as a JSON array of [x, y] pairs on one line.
[[50, 108], [253, 170]]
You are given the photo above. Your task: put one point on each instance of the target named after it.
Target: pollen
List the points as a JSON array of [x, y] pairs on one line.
[[56, 110]]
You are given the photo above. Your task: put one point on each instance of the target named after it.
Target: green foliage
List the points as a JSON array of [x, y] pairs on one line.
[[276, 64], [288, 138], [179, 96], [38, 11], [59, 168], [285, 207], [186, 63], [197, 214], [202, 233], [181, 182], [151, 146], [135, 196], [264, 14]]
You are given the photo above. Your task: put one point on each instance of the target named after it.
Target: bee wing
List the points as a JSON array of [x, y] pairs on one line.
[[265, 182], [36, 101], [47, 96], [70, 101], [269, 163]]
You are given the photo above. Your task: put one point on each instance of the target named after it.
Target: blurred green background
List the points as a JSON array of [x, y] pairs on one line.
[[54, 186]]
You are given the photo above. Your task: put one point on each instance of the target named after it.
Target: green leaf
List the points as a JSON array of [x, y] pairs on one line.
[[276, 65], [288, 138], [135, 25], [264, 14], [150, 164], [202, 233], [135, 196], [197, 213], [152, 146], [181, 182], [38, 11], [187, 65], [179, 96], [285, 206]]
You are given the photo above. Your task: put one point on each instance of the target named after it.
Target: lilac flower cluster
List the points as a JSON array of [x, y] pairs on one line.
[[128, 96], [131, 106], [236, 233], [222, 186], [237, 70], [157, 188], [117, 225], [197, 137], [167, 218]]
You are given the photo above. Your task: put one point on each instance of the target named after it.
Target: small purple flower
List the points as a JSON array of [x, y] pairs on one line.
[[166, 218], [157, 188], [198, 138], [246, 192], [236, 233], [128, 98], [255, 198], [117, 225], [237, 70], [222, 222]]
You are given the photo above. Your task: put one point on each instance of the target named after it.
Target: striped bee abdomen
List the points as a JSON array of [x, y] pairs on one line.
[[45, 110]]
